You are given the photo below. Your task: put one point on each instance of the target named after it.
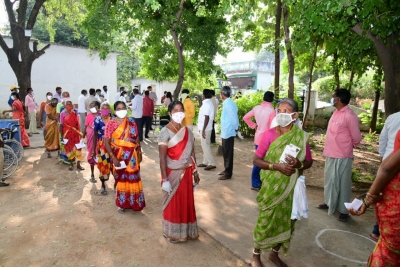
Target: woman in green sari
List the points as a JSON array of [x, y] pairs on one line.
[[274, 226]]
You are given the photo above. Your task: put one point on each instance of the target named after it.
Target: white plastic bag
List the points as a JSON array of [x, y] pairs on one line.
[[300, 202]]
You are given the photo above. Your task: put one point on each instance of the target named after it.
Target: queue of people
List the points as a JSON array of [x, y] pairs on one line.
[[113, 143]]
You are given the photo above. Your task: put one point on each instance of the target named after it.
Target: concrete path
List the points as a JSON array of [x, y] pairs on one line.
[[227, 211]]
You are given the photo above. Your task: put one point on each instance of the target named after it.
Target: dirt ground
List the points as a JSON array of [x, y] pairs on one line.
[[50, 216]]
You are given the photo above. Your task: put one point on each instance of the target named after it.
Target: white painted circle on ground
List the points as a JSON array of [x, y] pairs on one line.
[[334, 254]]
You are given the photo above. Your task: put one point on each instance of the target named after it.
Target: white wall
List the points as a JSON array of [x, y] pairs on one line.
[[72, 68], [158, 87], [264, 80]]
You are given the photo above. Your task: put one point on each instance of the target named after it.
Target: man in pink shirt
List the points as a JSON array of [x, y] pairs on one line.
[[263, 114], [342, 135], [31, 105]]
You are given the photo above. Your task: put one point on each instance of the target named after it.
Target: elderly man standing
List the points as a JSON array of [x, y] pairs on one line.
[[205, 121], [263, 114], [342, 135], [137, 111], [82, 109], [31, 105], [229, 127]]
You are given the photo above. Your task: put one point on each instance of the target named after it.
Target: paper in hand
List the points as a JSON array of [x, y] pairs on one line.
[[291, 150], [65, 141], [356, 204], [80, 145], [122, 165]]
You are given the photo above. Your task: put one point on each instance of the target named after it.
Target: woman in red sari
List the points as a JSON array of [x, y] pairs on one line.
[[69, 129], [121, 139], [18, 114], [178, 170], [385, 193]]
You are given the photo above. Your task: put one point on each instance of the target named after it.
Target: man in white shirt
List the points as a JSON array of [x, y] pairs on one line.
[[118, 95], [92, 97], [152, 94], [215, 102], [137, 111], [204, 124], [105, 94], [82, 109], [388, 134]]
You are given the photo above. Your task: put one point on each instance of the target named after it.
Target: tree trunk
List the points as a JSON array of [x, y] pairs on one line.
[[336, 70], [309, 84], [351, 80], [389, 55], [278, 16], [372, 127], [288, 52], [181, 61]]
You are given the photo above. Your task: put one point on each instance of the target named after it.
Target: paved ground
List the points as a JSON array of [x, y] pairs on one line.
[[88, 226]]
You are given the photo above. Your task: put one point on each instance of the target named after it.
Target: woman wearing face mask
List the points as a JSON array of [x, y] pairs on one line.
[[70, 130], [103, 158], [18, 112], [88, 132], [52, 137], [274, 226], [178, 172], [121, 139], [42, 112]]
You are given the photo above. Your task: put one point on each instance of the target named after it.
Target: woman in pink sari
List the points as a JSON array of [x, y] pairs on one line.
[[89, 134], [178, 170], [18, 114]]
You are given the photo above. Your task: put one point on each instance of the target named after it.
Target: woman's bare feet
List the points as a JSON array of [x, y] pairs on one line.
[[256, 262], [274, 257]]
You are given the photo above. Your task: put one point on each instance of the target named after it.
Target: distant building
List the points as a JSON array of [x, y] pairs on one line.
[[252, 74], [72, 68], [157, 87]]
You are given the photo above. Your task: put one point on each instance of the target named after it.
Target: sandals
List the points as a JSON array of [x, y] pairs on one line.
[[71, 168], [3, 184], [343, 217], [373, 238], [103, 192], [80, 168], [92, 179], [120, 210], [256, 188], [323, 206]]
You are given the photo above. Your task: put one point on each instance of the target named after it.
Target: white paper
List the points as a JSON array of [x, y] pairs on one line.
[[195, 187], [291, 150], [123, 165], [356, 204], [96, 159], [80, 145], [65, 141]]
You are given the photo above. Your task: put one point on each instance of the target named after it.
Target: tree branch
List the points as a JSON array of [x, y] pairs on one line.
[[37, 53], [3, 45], [34, 13], [179, 13], [10, 12], [21, 10]]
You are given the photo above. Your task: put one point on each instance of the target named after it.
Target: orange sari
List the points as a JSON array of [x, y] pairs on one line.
[[387, 249], [18, 114]]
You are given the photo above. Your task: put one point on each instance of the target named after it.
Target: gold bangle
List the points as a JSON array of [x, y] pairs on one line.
[[271, 167]]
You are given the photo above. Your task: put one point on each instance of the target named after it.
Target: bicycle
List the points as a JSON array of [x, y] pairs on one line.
[[10, 162], [10, 141]]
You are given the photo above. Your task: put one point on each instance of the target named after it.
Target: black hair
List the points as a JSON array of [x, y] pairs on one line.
[[84, 91], [16, 95], [135, 91], [58, 88], [344, 95], [49, 93], [149, 87], [117, 103], [226, 91], [165, 92], [268, 96], [96, 104], [28, 89], [146, 92], [173, 104], [98, 90], [122, 88], [123, 93], [92, 91], [104, 86], [169, 95], [207, 93], [212, 92], [185, 91]]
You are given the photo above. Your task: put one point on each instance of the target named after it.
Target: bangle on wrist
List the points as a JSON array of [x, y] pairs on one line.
[[271, 167], [365, 202], [301, 166]]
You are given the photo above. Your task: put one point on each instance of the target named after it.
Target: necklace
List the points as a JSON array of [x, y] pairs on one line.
[[175, 127]]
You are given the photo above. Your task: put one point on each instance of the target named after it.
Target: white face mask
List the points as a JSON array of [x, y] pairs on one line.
[[49, 97], [65, 99], [121, 113], [93, 110], [178, 116], [284, 119], [13, 97]]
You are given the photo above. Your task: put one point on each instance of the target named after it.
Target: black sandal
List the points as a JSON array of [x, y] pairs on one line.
[[80, 168], [323, 206], [343, 217]]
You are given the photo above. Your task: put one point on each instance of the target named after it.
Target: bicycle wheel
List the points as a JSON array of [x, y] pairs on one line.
[[16, 147], [10, 162]]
